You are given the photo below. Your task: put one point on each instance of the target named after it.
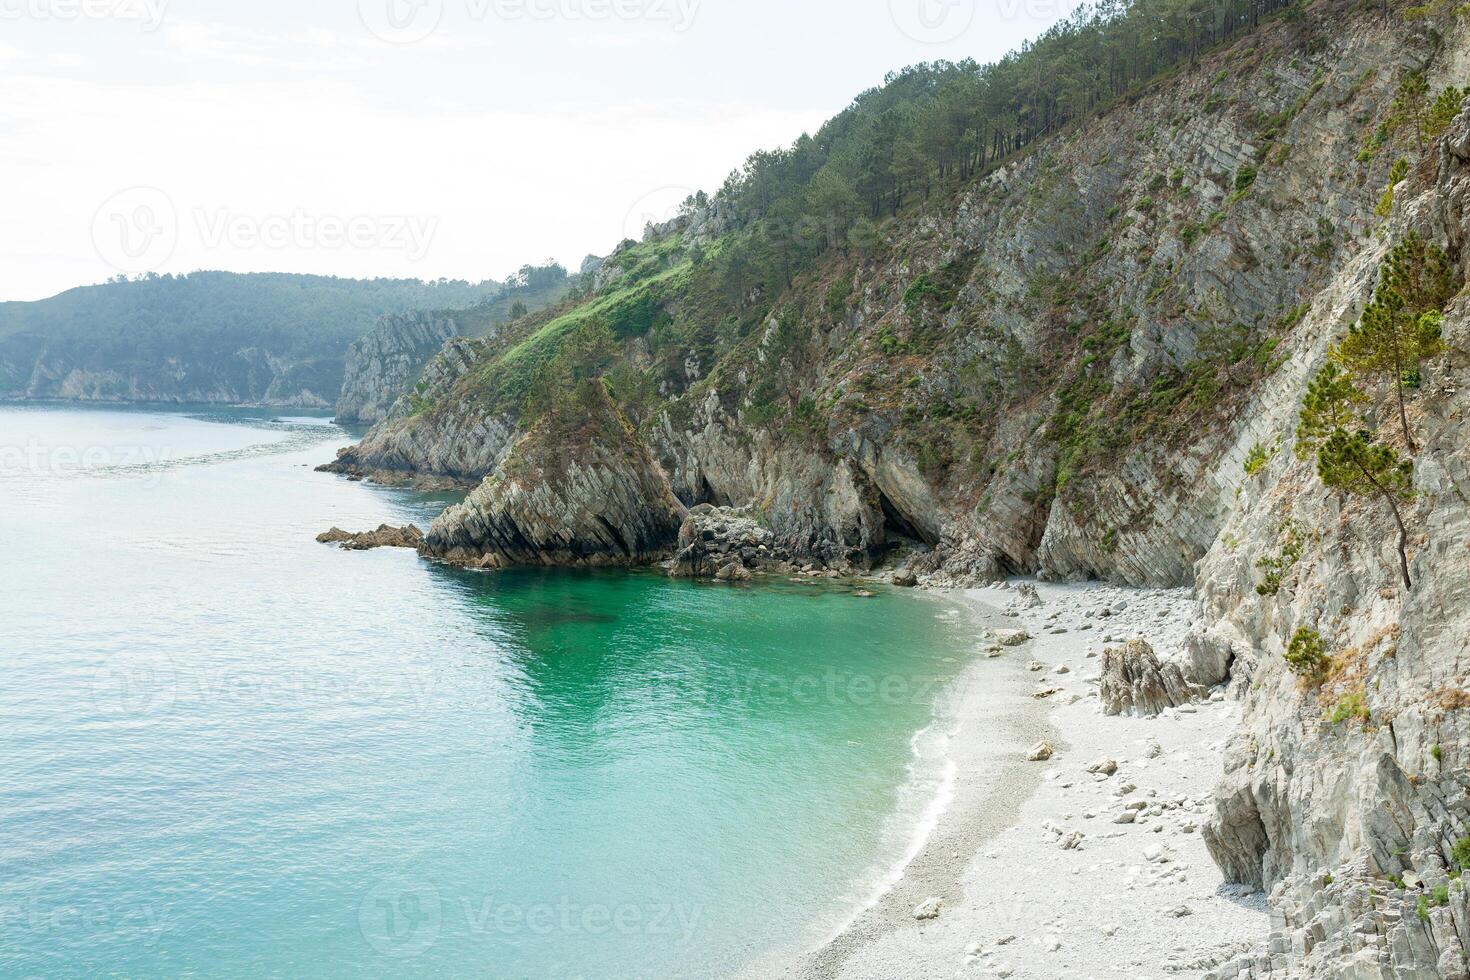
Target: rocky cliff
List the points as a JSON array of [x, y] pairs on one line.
[[389, 362], [579, 489], [386, 363], [1089, 362], [1048, 371], [1345, 793]]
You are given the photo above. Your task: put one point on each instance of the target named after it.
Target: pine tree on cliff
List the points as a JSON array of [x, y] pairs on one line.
[[1400, 329], [1349, 458]]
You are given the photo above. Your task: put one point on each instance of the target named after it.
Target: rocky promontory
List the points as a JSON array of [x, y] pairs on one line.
[[578, 489]]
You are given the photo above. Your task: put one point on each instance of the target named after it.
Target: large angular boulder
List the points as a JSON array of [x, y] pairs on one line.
[[1135, 681]]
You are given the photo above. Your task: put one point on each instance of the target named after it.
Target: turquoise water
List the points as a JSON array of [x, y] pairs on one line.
[[226, 750]]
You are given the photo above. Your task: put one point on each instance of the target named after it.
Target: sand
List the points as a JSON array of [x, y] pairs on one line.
[[1034, 877]]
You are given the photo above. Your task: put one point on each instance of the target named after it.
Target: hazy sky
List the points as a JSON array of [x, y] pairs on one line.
[[423, 138]]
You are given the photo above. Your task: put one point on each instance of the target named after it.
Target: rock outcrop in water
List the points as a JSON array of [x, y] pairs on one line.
[[578, 489], [386, 536], [723, 542]]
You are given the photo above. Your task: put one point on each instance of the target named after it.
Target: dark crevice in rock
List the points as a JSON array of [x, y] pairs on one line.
[[895, 521], [615, 534]]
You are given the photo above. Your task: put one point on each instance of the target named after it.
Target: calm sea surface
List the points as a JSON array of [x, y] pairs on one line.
[[226, 750]]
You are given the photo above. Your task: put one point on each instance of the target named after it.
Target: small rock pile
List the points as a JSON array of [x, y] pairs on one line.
[[725, 544], [386, 536]]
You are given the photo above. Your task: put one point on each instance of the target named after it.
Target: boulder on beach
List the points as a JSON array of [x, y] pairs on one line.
[[1134, 680], [929, 909], [1040, 752]]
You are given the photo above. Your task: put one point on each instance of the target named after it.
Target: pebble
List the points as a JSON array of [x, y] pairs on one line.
[[928, 909]]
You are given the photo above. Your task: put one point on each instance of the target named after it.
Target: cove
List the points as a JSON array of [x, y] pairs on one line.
[[232, 751]]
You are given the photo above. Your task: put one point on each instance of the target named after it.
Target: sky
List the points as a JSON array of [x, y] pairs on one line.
[[425, 139]]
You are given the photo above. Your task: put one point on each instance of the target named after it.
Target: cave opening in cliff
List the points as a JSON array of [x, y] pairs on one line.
[[708, 494], [898, 524]]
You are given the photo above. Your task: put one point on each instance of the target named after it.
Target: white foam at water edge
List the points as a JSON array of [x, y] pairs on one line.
[[932, 776]]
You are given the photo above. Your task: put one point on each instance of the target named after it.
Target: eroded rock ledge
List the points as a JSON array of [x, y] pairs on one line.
[[386, 536], [578, 490]]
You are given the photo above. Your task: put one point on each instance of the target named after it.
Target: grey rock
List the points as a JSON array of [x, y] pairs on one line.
[[1134, 680]]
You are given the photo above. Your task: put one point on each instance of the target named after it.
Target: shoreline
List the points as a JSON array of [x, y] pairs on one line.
[[1128, 899], [966, 716]]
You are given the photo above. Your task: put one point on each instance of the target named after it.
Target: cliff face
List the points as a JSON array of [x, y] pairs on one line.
[[1049, 372], [386, 363], [578, 489], [1346, 792], [389, 362]]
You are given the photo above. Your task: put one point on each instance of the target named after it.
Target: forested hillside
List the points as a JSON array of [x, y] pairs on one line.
[[206, 336]]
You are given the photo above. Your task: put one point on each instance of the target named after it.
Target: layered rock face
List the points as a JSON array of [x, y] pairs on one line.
[[1058, 371], [1135, 681], [386, 363], [386, 536], [1345, 793], [578, 489], [437, 432]]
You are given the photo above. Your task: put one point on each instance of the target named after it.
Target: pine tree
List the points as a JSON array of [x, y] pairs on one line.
[[1356, 464], [1328, 408], [1348, 457], [1400, 329], [1443, 111]]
